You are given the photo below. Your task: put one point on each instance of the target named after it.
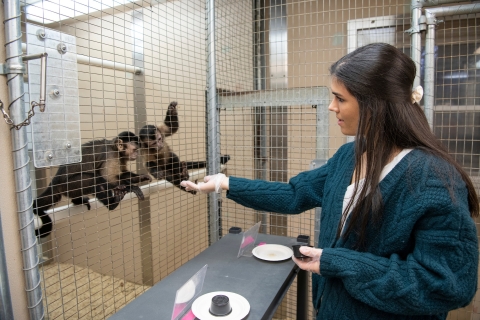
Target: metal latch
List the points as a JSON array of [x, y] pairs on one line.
[[20, 69]]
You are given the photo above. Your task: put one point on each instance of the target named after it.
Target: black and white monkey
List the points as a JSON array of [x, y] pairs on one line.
[[102, 172], [160, 161]]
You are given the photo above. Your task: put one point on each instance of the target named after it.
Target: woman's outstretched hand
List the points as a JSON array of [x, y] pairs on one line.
[[312, 263], [216, 182]]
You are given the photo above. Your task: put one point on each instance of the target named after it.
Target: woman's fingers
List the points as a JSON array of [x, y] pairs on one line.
[[308, 264], [313, 253], [212, 183], [188, 185], [312, 263]]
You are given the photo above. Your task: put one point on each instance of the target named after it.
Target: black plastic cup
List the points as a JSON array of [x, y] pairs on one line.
[[296, 251], [220, 306], [235, 230]]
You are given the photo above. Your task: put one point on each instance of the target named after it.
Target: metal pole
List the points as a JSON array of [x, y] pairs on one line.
[[302, 295], [82, 59], [453, 10], [434, 3], [428, 100], [260, 111], [140, 119], [416, 38], [278, 135], [213, 153], [6, 311], [13, 46]]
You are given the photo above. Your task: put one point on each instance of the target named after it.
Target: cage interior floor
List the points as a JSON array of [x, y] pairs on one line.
[[73, 292]]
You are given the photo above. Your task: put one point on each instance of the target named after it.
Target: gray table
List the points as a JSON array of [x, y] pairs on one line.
[[262, 283]]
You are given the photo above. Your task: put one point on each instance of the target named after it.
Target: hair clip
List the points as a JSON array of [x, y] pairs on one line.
[[417, 94]]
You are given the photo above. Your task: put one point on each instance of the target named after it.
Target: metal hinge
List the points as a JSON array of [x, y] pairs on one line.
[[12, 68]]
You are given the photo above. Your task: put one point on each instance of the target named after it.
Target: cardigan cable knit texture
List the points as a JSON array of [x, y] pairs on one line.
[[419, 263]]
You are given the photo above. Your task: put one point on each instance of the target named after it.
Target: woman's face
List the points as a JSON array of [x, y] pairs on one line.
[[346, 108]]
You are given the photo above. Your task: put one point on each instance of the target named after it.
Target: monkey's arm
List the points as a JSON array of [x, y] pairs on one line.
[[155, 169], [108, 194], [170, 124], [176, 171], [203, 164], [128, 179]]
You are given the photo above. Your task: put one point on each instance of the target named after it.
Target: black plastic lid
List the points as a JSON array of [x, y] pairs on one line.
[[235, 230]]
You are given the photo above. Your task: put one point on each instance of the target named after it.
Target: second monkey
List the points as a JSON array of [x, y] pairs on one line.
[[160, 161]]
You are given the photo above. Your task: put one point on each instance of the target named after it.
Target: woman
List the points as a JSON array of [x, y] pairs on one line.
[[397, 237]]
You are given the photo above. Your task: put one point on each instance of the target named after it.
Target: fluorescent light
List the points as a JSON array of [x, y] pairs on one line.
[[55, 10], [456, 75]]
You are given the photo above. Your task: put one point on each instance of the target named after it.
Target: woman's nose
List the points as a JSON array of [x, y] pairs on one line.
[[332, 106]]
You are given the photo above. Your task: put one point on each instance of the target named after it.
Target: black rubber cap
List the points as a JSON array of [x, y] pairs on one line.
[[220, 305], [235, 230]]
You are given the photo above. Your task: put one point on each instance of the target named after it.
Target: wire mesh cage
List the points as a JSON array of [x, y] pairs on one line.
[[133, 60], [121, 64]]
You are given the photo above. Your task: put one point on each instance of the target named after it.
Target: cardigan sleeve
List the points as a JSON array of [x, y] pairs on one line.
[[302, 192], [438, 275]]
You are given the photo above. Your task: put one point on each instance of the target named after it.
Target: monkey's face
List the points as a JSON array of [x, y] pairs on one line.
[[157, 142], [130, 150]]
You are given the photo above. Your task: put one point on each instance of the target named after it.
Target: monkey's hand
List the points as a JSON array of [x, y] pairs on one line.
[[119, 192], [145, 177], [184, 173], [216, 182], [193, 191], [172, 108], [82, 200], [312, 263], [157, 174]]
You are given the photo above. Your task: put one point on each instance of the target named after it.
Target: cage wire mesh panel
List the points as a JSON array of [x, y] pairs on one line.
[[133, 58], [457, 107], [283, 45]]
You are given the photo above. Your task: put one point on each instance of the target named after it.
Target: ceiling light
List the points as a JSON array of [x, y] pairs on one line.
[[46, 12]]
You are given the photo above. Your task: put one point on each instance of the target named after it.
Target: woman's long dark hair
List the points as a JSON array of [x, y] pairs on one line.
[[380, 77]]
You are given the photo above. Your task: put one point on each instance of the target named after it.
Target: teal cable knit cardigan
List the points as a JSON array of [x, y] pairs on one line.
[[419, 264]]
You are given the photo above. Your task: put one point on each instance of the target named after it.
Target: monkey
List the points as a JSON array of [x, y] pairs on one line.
[[102, 173], [160, 161]]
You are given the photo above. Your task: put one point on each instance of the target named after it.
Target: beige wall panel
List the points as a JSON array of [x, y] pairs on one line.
[[317, 37], [234, 46], [179, 229], [237, 140], [101, 240]]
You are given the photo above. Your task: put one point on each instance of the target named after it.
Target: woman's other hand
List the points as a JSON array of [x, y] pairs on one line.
[[216, 182], [312, 263]]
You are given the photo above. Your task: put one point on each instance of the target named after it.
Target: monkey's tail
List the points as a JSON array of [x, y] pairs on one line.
[[195, 165], [202, 164], [44, 201], [224, 159]]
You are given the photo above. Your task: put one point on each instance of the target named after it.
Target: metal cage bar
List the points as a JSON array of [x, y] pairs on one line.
[[21, 159]]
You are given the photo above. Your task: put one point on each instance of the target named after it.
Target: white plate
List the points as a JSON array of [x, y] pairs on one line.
[[240, 306], [272, 252]]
